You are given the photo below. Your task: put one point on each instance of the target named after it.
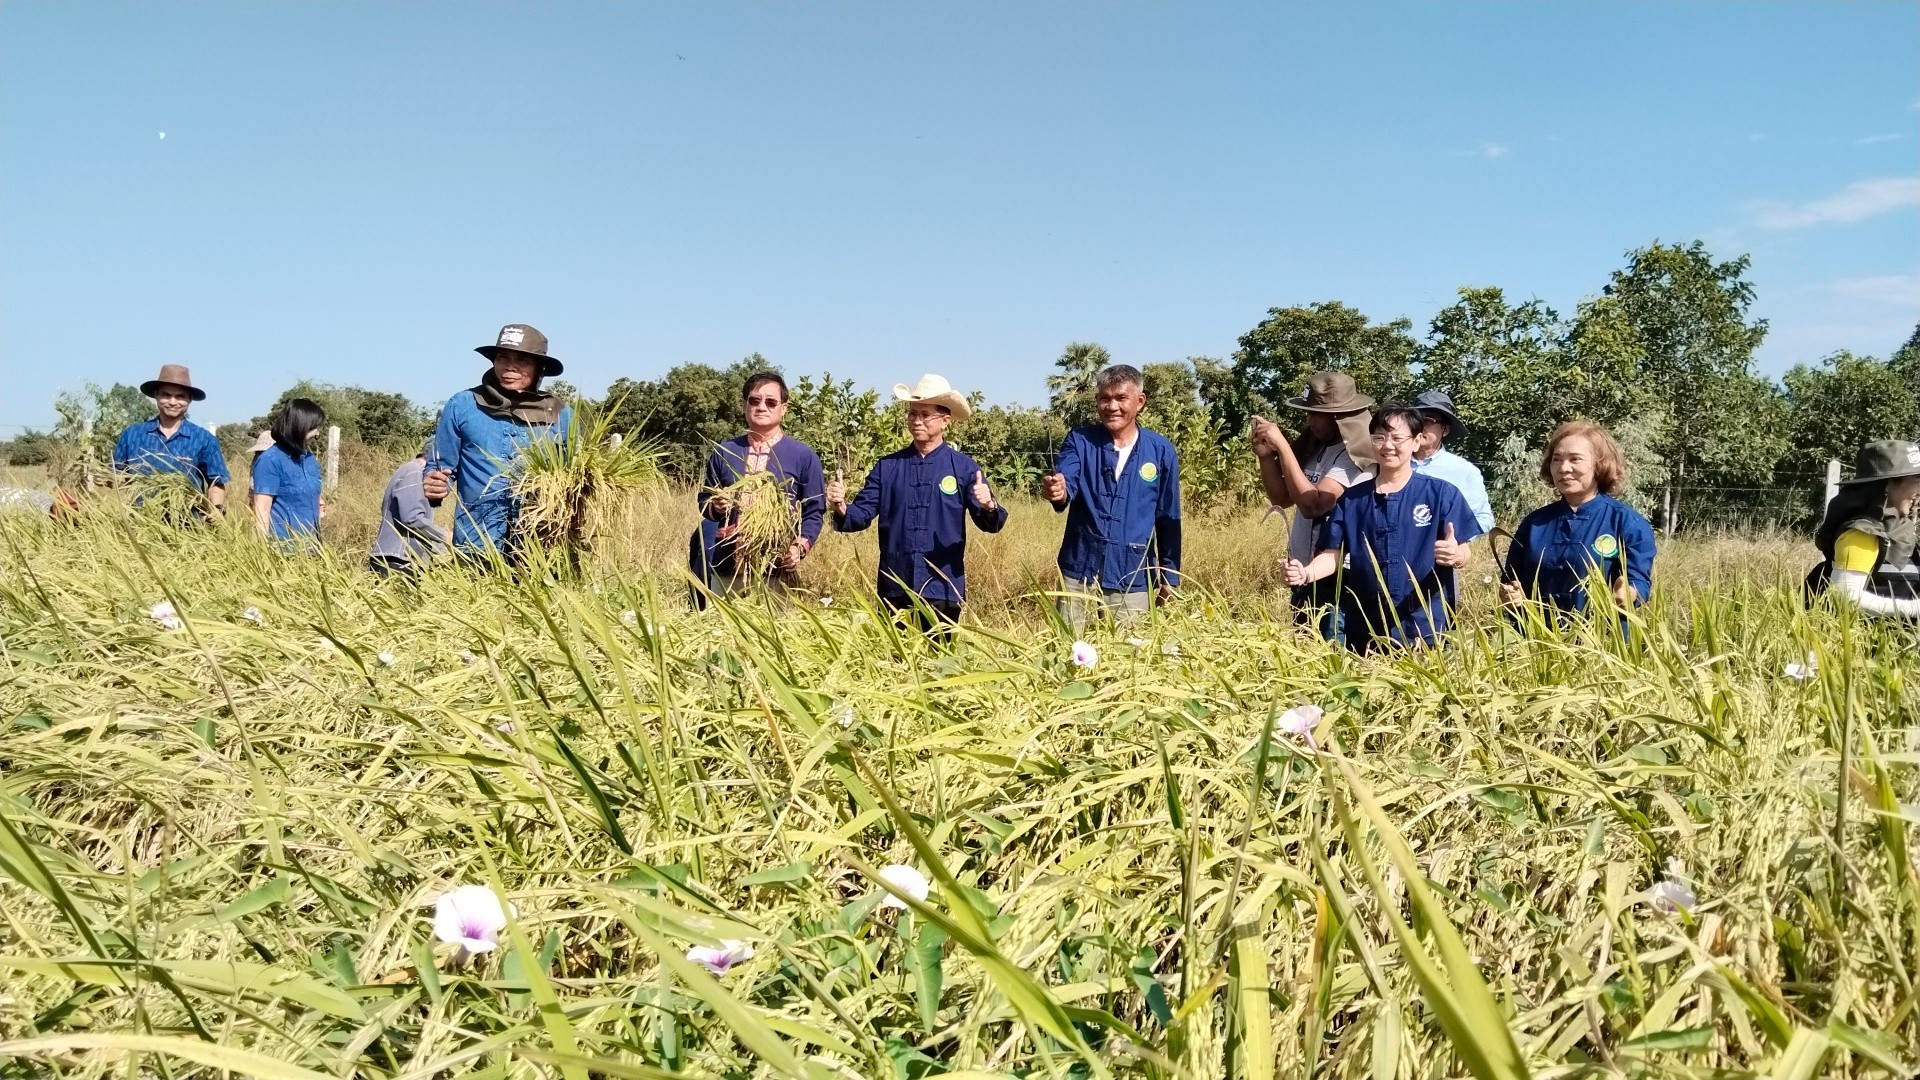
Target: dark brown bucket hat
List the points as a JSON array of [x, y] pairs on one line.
[[173, 375], [521, 338], [1331, 392], [1887, 460]]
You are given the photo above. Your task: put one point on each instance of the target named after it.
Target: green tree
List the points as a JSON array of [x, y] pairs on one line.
[[106, 412], [687, 411], [1014, 444], [1275, 357], [846, 427], [1843, 402], [1070, 390], [374, 417]]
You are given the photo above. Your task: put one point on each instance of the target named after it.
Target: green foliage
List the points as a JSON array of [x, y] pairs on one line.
[[29, 448], [848, 428], [685, 412], [374, 417], [1844, 402], [1275, 357], [1015, 445], [1070, 390]]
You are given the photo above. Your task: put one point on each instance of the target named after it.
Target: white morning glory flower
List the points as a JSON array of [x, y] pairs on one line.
[[1084, 655], [252, 615], [720, 960], [1300, 722], [906, 879], [630, 617], [1803, 672], [164, 614], [471, 917], [1672, 893], [386, 658]]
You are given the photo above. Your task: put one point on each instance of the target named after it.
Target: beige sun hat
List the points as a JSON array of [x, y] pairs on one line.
[[263, 442], [934, 390]]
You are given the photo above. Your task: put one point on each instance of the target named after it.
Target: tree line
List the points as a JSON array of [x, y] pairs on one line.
[[1662, 354]]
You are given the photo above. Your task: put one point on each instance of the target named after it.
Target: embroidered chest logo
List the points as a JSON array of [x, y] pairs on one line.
[[1606, 546], [949, 486], [1422, 516], [1149, 472]]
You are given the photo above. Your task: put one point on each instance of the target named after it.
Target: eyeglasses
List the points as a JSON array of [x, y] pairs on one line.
[[765, 402], [1384, 438]]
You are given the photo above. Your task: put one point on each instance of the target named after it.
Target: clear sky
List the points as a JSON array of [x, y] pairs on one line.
[[361, 193]]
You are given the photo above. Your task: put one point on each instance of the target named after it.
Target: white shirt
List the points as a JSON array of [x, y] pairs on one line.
[[1123, 453], [1333, 460]]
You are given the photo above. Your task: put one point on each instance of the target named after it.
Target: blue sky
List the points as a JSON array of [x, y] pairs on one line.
[[361, 193]]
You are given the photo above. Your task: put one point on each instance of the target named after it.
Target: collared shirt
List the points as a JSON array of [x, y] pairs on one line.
[[922, 505], [1393, 588], [192, 451], [407, 528], [792, 462], [476, 449], [1464, 475], [1557, 545], [1122, 532], [294, 484], [1332, 460]]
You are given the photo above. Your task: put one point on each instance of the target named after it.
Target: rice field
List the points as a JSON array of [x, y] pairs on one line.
[[1220, 849]]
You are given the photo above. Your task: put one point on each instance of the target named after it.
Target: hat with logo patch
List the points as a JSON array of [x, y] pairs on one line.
[[524, 339], [1889, 459]]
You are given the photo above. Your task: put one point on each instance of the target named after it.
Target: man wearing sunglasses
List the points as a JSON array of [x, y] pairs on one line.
[[764, 448]]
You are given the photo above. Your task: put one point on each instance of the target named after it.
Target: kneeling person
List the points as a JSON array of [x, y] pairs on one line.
[[1406, 532], [922, 496]]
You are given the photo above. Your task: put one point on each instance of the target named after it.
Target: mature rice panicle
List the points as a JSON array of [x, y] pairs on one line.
[[766, 522], [577, 491]]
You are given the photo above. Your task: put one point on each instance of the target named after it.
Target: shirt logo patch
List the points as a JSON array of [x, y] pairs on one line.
[[949, 486], [1606, 546], [1149, 472], [1422, 515]]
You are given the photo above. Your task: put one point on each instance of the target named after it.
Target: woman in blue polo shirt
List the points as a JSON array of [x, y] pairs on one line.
[[1560, 546], [1406, 533], [286, 477]]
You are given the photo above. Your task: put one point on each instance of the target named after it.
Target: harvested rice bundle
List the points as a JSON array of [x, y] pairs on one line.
[[577, 489], [765, 524]]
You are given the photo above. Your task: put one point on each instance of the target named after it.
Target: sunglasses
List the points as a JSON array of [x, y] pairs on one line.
[[765, 402]]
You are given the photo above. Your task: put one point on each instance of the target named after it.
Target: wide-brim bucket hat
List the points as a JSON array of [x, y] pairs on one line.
[[1889, 459], [1331, 392], [934, 390], [521, 338], [262, 442], [1436, 401], [173, 375]]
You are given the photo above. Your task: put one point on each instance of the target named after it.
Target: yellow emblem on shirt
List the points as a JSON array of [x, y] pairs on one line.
[[1606, 546], [1149, 472], [949, 486]]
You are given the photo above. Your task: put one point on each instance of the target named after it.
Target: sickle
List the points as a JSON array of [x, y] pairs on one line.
[[1500, 559]]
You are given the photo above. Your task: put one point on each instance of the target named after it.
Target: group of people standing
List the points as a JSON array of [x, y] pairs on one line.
[[1383, 515]]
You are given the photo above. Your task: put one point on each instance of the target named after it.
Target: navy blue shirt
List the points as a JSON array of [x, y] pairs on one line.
[[1557, 546], [192, 452], [922, 504], [1393, 589], [1123, 533], [792, 462], [294, 484]]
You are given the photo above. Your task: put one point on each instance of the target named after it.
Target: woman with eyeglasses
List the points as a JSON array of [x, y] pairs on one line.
[[1561, 547], [1403, 534]]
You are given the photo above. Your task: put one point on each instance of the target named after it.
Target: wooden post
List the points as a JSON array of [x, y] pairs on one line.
[[333, 456], [86, 453], [1833, 479]]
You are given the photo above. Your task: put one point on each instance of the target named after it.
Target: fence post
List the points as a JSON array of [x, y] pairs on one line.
[[1833, 479], [333, 456], [86, 453]]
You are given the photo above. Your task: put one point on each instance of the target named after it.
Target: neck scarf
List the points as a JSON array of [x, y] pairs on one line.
[[529, 407]]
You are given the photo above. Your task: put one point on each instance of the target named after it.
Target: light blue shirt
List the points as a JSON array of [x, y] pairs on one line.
[[1463, 474], [476, 449]]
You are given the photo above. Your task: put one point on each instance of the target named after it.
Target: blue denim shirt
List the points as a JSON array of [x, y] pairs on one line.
[[922, 504], [476, 449], [294, 486], [1125, 532], [193, 452]]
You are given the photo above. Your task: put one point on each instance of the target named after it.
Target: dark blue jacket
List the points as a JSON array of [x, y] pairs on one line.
[[1392, 588], [922, 504], [709, 557], [193, 452], [1556, 546], [1123, 533]]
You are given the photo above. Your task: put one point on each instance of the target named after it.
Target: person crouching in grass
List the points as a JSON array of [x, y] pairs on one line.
[[287, 506], [922, 497], [408, 535], [1558, 547], [1406, 533]]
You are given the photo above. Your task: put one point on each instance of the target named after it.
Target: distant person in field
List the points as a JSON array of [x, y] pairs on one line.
[[1119, 484], [1561, 547], [1438, 423], [765, 448], [1310, 474], [1868, 537], [1402, 535], [481, 432], [287, 506], [408, 536], [261, 444], [922, 496], [171, 443]]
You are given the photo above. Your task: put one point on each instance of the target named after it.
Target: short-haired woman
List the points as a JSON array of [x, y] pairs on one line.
[[286, 476], [1868, 536], [1401, 534], [1585, 531]]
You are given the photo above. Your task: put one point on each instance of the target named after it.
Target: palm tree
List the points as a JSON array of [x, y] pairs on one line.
[[1070, 393]]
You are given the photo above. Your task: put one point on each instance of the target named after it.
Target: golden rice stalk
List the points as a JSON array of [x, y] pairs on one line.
[[766, 523], [575, 490]]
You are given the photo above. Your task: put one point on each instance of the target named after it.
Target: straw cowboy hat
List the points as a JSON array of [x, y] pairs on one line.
[[1888, 460], [934, 390], [173, 375], [1331, 392], [521, 338]]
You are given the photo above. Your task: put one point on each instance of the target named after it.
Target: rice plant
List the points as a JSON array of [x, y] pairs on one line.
[[578, 491]]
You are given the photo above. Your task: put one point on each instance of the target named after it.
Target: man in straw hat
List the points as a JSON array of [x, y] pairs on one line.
[[922, 496], [1332, 455], [1870, 535], [482, 430], [1119, 484], [171, 443]]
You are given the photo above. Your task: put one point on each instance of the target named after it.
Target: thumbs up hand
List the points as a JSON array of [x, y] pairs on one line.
[[837, 493], [1449, 552], [1054, 487], [982, 498]]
